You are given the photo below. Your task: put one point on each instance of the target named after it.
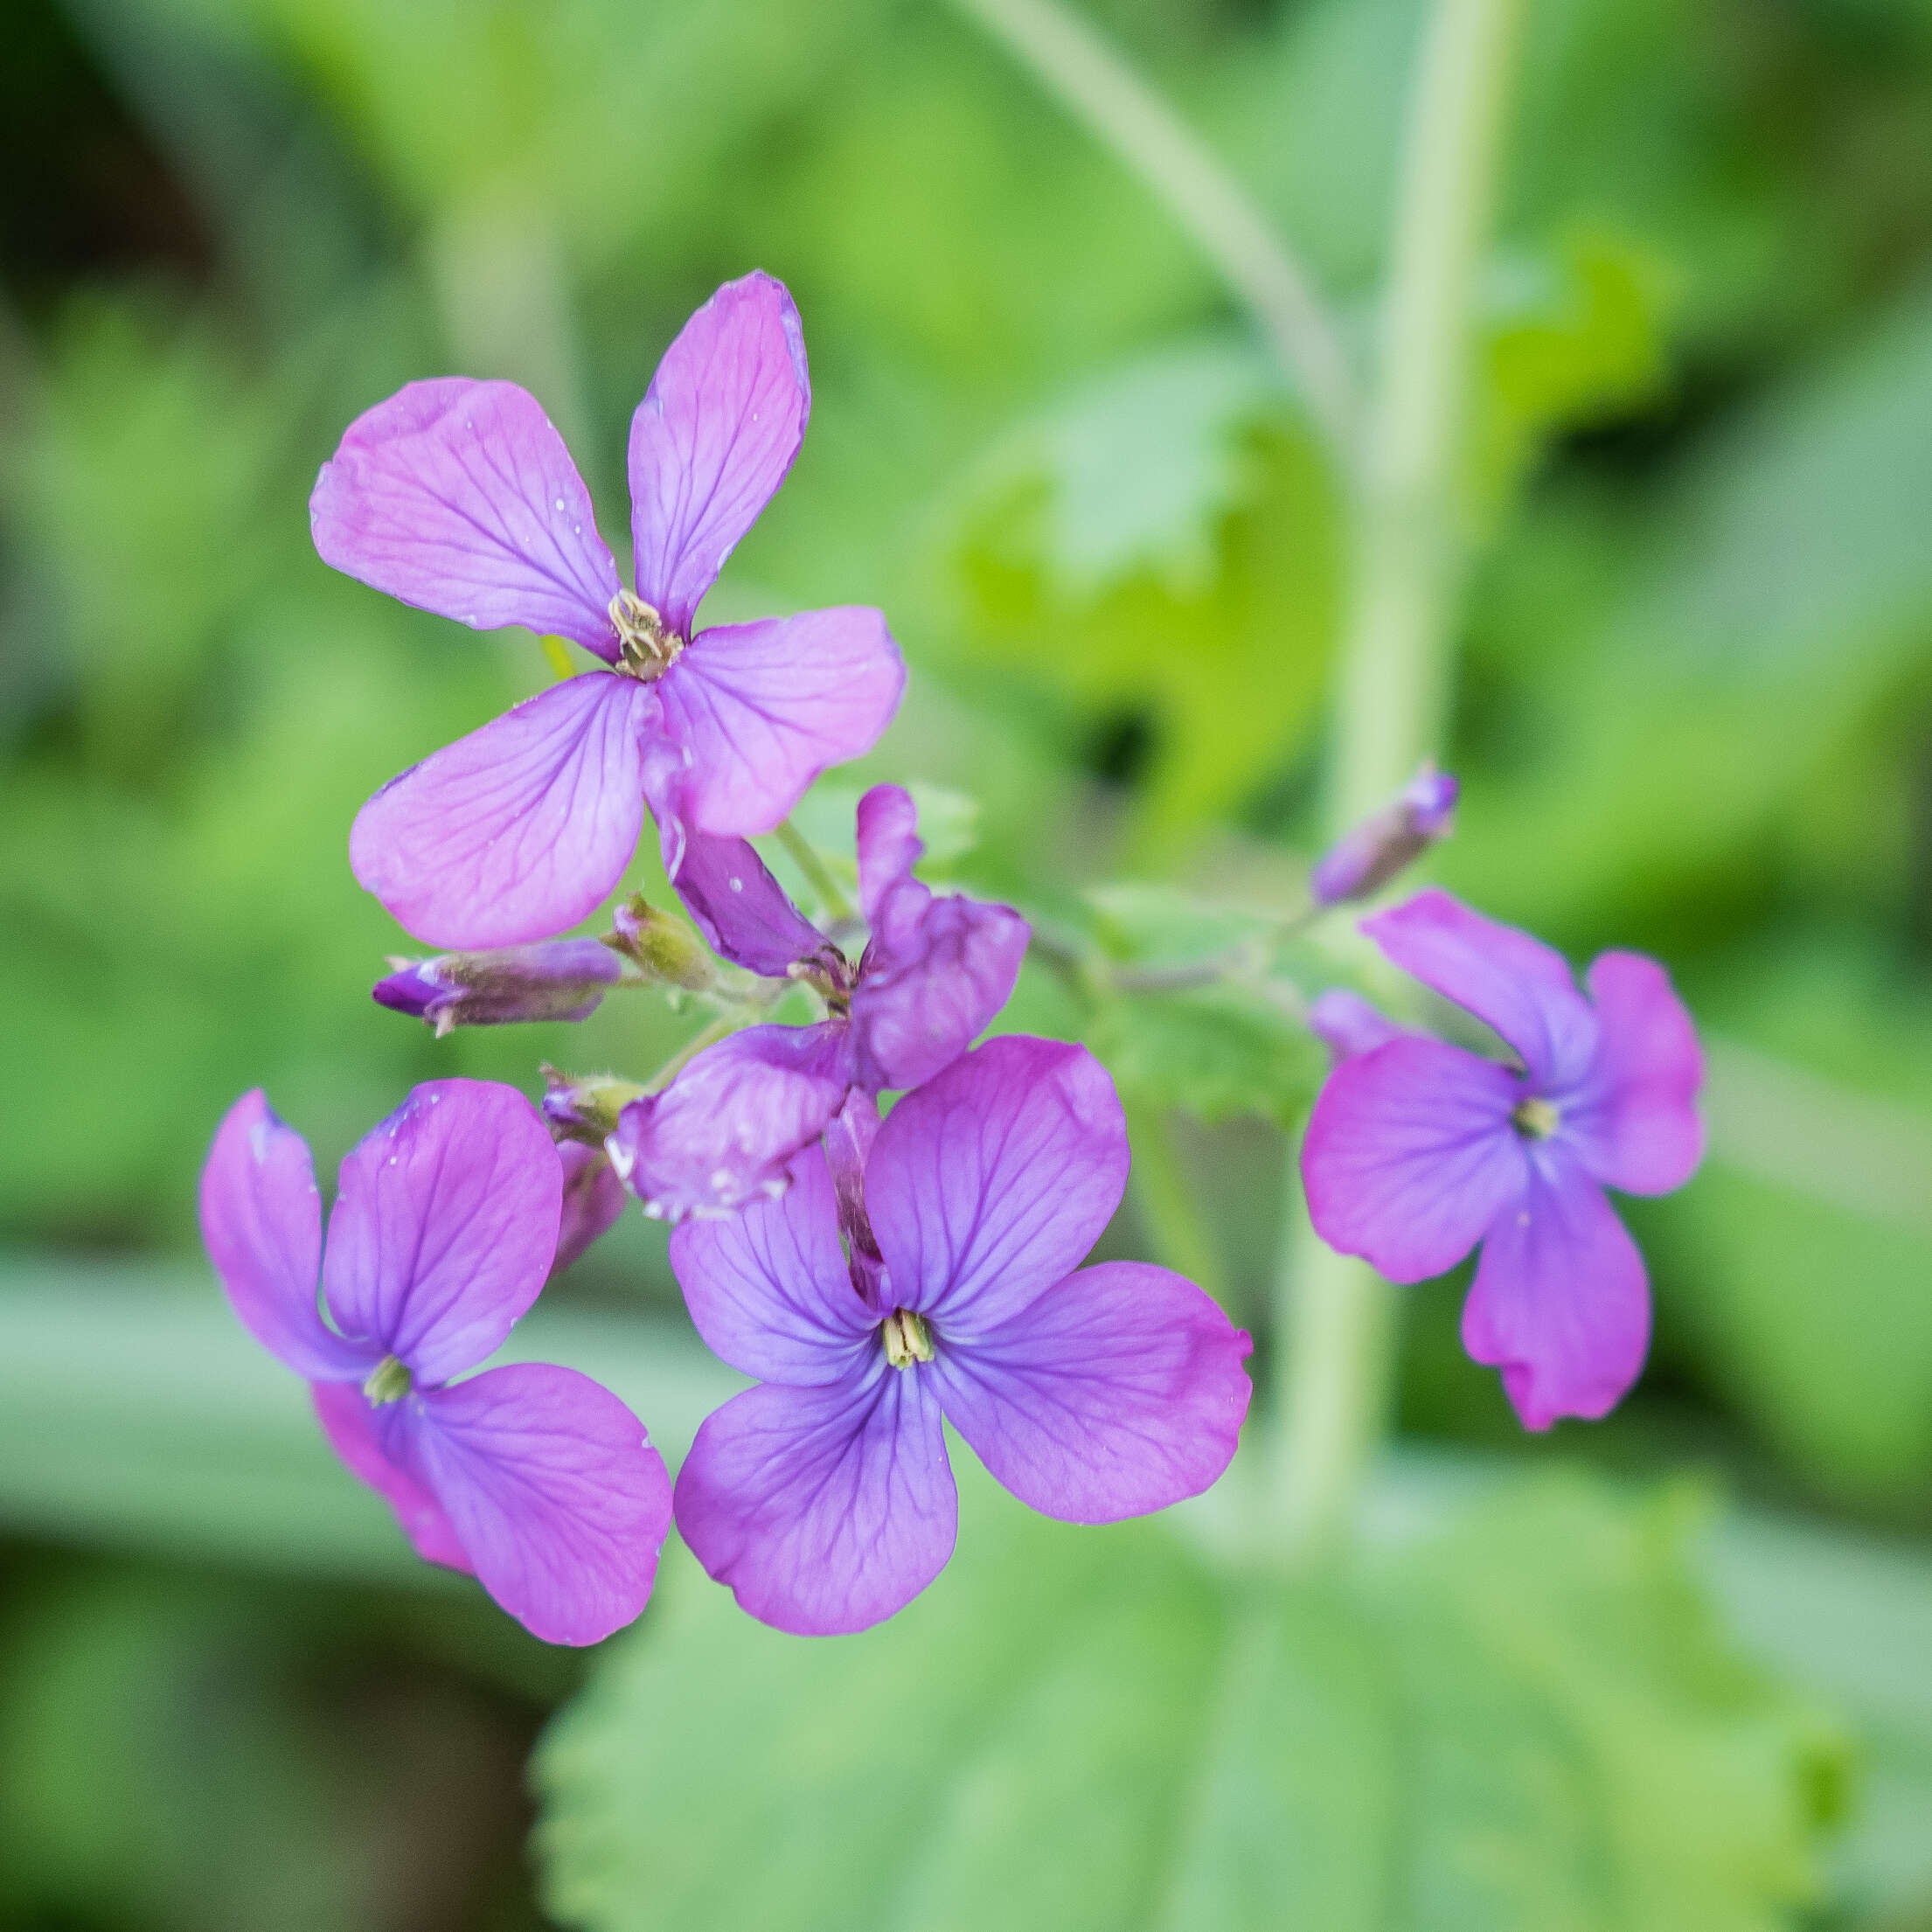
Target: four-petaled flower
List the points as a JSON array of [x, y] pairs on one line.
[[536, 1479], [822, 1497], [460, 497], [935, 972], [1418, 1149]]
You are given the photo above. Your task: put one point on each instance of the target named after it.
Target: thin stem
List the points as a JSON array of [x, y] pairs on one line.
[[754, 1007], [832, 902], [1092, 80], [1166, 1198], [1335, 1319]]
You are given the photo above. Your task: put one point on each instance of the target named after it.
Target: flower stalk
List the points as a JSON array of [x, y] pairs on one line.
[[1334, 1317]]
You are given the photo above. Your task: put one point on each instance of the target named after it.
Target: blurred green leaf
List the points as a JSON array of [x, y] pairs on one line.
[[1218, 1052], [1164, 547], [1529, 1721], [1571, 336]]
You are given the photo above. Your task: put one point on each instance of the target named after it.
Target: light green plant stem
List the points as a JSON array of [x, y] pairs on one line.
[[832, 902], [1336, 1319], [1092, 80], [1167, 1201]]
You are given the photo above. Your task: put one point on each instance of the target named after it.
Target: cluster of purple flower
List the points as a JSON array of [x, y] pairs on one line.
[[875, 1277]]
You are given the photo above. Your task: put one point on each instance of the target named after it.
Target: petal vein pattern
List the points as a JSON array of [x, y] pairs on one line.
[[518, 831], [459, 497]]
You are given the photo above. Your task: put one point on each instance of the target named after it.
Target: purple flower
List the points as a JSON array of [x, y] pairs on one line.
[[559, 979], [823, 1496], [1417, 1150], [1347, 1025], [1366, 859], [594, 1197], [460, 497], [936, 971], [535, 1479]]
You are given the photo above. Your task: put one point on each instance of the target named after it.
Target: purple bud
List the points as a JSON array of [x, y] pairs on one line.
[[559, 979], [594, 1197], [585, 1107], [1365, 860]]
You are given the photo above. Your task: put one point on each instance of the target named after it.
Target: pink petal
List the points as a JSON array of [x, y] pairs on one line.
[[1410, 1153], [1347, 1025], [768, 1288], [444, 1225], [552, 1489], [1515, 984], [824, 1509], [1118, 1390], [723, 1133], [742, 910], [261, 1222], [922, 1001], [594, 1197], [459, 497], [518, 831], [1560, 1302], [889, 846], [763, 708], [990, 1182], [348, 1420], [712, 440], [1634, 1118]]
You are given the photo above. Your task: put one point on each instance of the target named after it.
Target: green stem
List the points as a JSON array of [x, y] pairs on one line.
[[1166, 1200], [1335, 1319], [1091, 78], [831, 901]]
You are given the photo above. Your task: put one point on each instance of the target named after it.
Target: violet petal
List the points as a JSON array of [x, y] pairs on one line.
[[594, 1197], [992, 1181], [459, 497], [261, 1222], [767, 1289], [1515, 984], [824, 1509], [518, 831], [1118, 1390], [742, 910], [444, 1226], [924, 998], [553, 1488], [1348, 1024], [889, 846], [1410, 1153], [348, 1419], [1560, 1302], [725, 1131], [712, 440], [763, 708], [1634, 1118]]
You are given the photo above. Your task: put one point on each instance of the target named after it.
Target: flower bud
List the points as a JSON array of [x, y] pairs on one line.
[[1365, 860], [559, 979], [585, 1108], [665, 948], [1348, 1024]]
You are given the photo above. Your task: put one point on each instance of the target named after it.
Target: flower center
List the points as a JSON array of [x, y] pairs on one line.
[[645, 649], [1536, 1120], [389, 1381], [907, 1338]]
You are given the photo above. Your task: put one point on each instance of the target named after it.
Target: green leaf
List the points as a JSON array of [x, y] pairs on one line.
[[1218, 1052], [1166, 542], [1524, 1724]]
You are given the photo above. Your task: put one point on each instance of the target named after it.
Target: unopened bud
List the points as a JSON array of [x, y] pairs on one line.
[[585, 1107], [1364, 860], [1348, 1024], [665, 948], [560, 979]]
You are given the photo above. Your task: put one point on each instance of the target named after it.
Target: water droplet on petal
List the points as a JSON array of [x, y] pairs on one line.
[[738, 884], [559, 504]]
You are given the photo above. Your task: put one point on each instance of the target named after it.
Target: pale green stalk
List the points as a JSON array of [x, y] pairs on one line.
[[1335, 1319], [1091, 78], [832, 902]]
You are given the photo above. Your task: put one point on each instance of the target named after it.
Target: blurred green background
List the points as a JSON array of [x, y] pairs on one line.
[[1693, 714]]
